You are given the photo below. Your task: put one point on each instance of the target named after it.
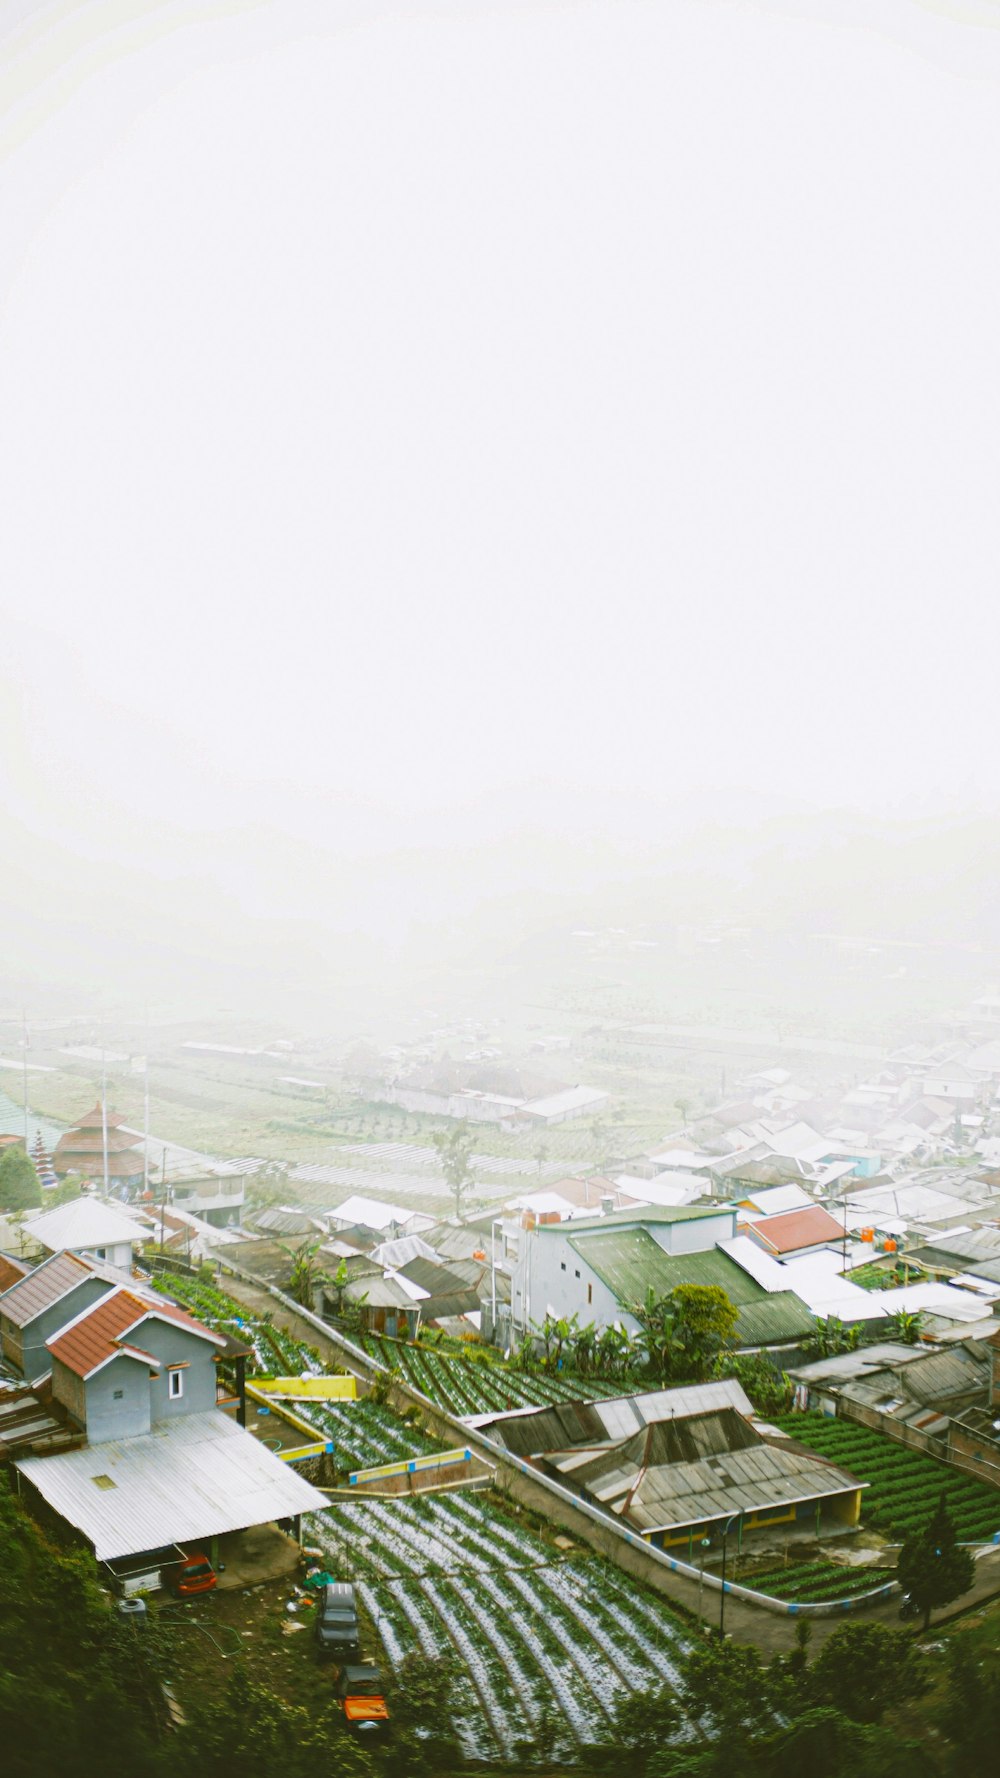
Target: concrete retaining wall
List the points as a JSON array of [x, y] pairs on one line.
[[540, 1494]]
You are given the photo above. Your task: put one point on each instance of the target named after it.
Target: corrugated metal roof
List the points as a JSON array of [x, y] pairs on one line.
[[630, 1262], [706, 1467], [591, 1423], [691, 1493], [188, 1480], [621, 1221], [85, 1222], [50, 1281]]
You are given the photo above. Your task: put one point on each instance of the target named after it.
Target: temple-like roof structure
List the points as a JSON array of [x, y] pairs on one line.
[[81, 1150]]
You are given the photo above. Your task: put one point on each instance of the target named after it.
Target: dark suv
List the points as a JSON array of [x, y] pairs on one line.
[[337, 1621]]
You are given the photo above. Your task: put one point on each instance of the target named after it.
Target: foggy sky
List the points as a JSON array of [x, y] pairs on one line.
[[420, 419]]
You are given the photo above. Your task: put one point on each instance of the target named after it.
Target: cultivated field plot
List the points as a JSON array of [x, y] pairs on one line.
[[905, 1487], [468, 1386], [274, 1352], [814, 1582], [463, 1386], [410, 1154], [457, 1574]]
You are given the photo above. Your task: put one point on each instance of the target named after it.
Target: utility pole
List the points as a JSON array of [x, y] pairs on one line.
[[104, 1114], [145, 1122], [24, 1016]]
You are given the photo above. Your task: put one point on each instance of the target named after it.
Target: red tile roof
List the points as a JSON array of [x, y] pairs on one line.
[[814, 1227], [99, 1334]]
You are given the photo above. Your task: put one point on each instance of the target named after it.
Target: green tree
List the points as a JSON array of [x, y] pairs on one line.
[[78, 1689], [769, 1390], [556, 1332], [661, 1337], [422, 1705], [306, 1274], [614, 1352], [686, 1328], [831, 1336], [971, 1715], [584, 1347], [64, 1193], [906, 1326], [728, 1688], [252, 1731], [864, 1668], [339, 1282], [823, 1743], [932, 1567], [19, 1183], [642, 1724], [454, 1149]]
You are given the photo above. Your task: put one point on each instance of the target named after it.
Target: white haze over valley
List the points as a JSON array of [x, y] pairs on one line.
[[496, 462]]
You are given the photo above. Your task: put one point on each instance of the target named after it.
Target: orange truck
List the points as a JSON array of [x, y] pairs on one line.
[[361, 1691]]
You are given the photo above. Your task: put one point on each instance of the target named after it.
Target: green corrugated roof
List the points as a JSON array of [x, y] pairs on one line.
[[779, 1316], [646, 1213], [629, 1261]]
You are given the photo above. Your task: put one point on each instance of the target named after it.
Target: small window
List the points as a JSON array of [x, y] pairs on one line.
[[590, 1293], [576, 1274], [562, 1265], [176, 1386], [119, 1395]]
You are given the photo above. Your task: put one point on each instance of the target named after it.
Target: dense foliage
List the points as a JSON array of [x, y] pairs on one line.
[[80, 1693], [932, 1568], [19, 1184], [78, 1687], [685, 1330]]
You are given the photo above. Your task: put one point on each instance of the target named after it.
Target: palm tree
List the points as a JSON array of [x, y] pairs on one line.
[[585, 1346], [306, 1273], [907, 1325], [614, 1351], [660, 1338]]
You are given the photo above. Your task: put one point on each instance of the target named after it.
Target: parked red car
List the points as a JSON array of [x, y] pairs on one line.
[[194, 1575]]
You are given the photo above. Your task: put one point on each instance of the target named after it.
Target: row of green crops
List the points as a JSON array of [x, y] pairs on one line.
[[905, 1487], [532, 1631], [274, 1352], [466, 1385], [815, 1582]]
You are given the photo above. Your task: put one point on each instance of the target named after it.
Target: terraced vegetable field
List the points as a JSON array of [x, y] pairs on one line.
[[813, 1582], [456, 1573], [275, 1353], [905, 1487], [467, 1386], [462, 1385]]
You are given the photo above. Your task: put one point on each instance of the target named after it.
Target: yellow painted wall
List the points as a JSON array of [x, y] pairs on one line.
[[309, 1388], [847, 1508]]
